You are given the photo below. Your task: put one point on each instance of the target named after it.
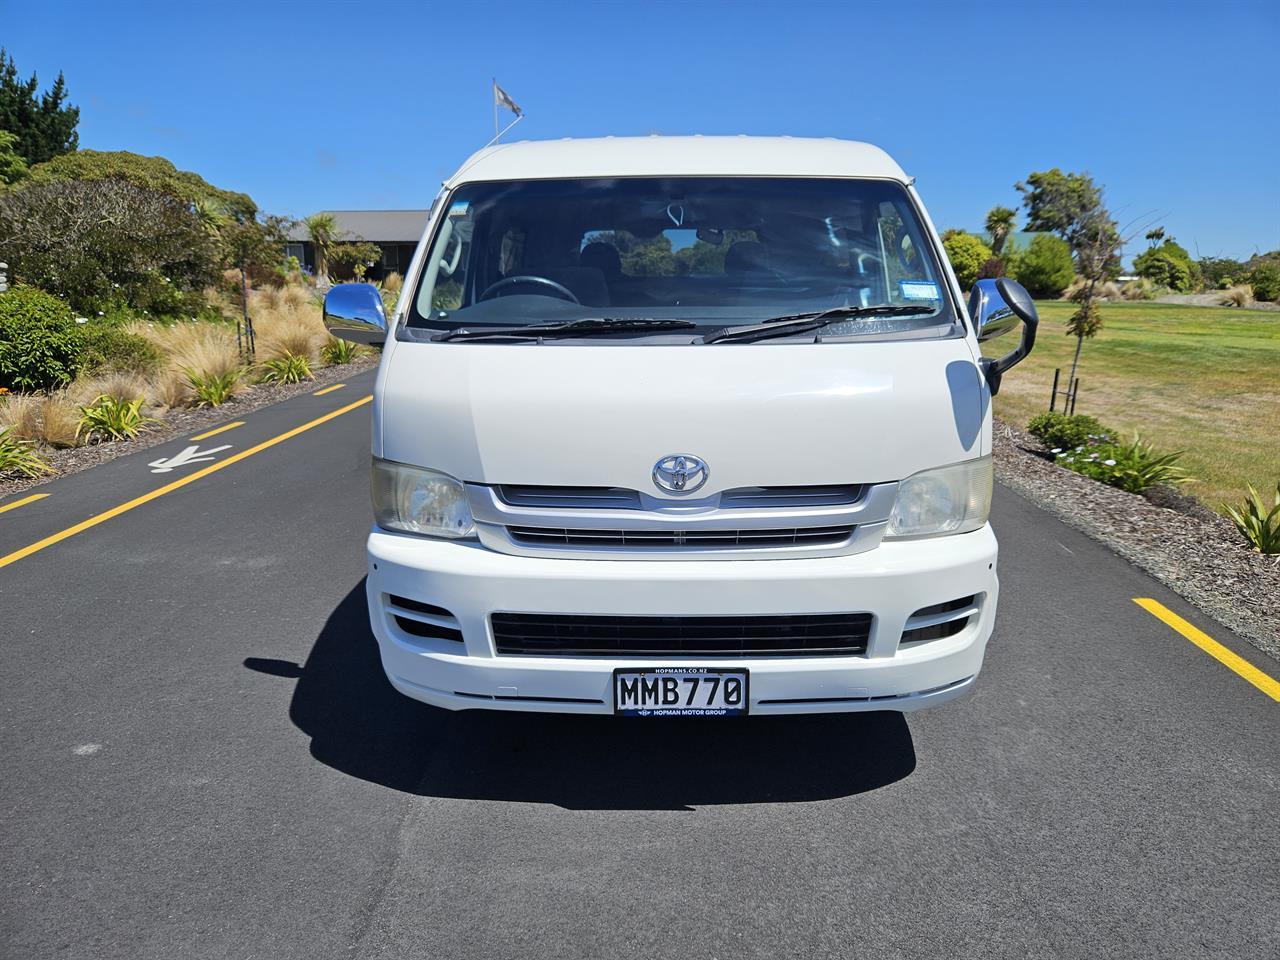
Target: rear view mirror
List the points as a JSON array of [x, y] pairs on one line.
[[995, 307], [354, 311]]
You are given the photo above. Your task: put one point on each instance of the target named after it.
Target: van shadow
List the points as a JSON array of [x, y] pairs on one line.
[[361, 726]]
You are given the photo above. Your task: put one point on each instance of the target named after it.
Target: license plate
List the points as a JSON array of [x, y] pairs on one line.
[[679, 692]]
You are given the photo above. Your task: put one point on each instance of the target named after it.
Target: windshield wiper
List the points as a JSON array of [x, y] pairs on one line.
[[571, 328], [793, 323]]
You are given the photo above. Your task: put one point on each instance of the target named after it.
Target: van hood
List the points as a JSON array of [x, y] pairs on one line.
[[756, 414]]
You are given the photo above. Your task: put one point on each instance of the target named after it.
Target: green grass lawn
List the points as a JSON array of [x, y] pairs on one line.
[[1201, 379]]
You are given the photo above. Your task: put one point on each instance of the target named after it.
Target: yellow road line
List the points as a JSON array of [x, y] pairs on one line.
[[18, 503], [321, 393], [218, 430], [175, 485], [1268, 685]]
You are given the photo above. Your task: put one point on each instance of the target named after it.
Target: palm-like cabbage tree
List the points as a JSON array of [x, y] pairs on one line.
[[1000, 222], [323, 229]]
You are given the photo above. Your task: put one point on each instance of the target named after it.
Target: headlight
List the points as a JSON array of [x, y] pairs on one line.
[[952, 499], [420, 501]]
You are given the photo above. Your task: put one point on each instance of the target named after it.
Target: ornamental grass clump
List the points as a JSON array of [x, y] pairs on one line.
[[337, 351], [111, 418], [19, 458], [215, 389], [289, 369], [1259, 522]]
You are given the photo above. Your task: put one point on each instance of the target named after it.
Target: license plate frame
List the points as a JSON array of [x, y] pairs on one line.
[[692, 701]]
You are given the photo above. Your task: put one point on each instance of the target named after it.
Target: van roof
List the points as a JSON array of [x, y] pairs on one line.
[[678, 156]]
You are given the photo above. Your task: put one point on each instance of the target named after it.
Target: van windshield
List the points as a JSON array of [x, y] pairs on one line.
[[715, 251]]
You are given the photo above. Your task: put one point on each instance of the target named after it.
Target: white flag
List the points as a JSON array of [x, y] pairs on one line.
[[502, 99]]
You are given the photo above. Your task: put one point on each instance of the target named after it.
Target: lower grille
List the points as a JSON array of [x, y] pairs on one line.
[[701, 539], [809, 635]]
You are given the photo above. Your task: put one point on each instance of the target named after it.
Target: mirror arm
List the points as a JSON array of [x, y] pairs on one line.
[[994, 369]]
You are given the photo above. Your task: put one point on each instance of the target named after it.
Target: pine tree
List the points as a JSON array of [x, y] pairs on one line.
[[43, 124]]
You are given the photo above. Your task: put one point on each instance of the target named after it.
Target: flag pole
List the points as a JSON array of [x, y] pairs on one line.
[[493, 94], [504, 130]]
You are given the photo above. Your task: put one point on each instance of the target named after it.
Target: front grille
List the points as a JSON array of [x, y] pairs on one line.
[[569, 498], [620, 498], [807, 635], [702, 539]]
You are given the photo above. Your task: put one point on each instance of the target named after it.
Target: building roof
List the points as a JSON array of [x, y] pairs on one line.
[[678, 156], [379, 226]]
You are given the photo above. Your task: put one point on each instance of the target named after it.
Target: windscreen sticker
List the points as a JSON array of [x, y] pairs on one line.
[[918, 290], [460, 208]]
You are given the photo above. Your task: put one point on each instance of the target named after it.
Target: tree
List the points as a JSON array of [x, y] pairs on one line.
[[1155, 236], [353, 259], [967, 255], [323, 229], [152, 173], [44, 124], [96, 245], [1071, 205], [1000, 223], [1045, 268], [12, 167], [1168, 265]]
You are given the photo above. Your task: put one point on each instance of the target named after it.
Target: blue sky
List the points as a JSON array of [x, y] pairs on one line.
[[1174, 107]]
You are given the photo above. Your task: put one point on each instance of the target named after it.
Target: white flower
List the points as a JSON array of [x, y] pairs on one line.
[[1078, 449], [82, 319], [1071, 459], [1109, 463], [1056, 450], [101, 314]]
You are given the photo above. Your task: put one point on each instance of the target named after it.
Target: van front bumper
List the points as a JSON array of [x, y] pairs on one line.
[[891, 582]]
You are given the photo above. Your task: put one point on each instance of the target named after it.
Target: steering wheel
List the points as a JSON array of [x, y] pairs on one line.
[[558, 288]]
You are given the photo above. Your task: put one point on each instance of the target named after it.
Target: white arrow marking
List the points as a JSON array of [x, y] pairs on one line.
[[189, 455]]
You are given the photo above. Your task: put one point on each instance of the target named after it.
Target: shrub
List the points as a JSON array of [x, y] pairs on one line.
[[39, 343], [1240, 295], [1133, 467], [1045, 268], [110, 347], [337, 351], [291, 369], [1259, 524], [214, 389], [992, 269], [1265, 280], [1140, 289], [17, 457], [967, 255], [1163, 270], [111, 418], [1059, 431]]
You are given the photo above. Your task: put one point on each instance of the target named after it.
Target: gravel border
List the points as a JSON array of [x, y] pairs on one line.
[[179, 421], [1186, 546]]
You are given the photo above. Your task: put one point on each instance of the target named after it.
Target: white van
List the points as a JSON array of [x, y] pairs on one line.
[[682, 425]]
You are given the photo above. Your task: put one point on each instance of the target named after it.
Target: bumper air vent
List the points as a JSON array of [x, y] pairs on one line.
[[423, 620], [940, 620]]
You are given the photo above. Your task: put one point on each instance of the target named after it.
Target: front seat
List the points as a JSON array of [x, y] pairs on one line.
[[747, 257], [603, 257]]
